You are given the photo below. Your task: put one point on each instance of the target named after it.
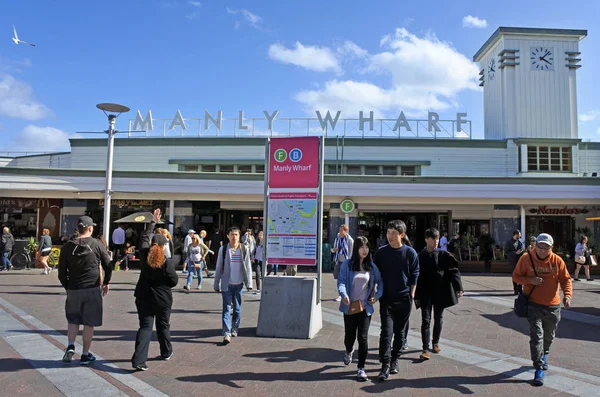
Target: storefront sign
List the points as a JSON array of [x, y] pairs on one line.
[[29, 203], [129, 203], [543, 210], [294, 163]]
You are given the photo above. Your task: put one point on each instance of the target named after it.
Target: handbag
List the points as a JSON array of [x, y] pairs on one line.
[[197, 264], [522, 301], [580, 259], [356, 307], [593, 260]]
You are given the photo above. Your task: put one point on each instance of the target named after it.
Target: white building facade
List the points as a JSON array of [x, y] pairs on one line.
[[531, 171]]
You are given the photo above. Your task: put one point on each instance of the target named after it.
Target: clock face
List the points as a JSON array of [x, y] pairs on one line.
[[542, 58], [492, 68]]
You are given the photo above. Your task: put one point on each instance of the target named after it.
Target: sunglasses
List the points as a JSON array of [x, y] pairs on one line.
[[544, 246]]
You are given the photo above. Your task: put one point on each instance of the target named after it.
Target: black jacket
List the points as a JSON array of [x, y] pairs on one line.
[[510, 250], [7, 242], [78, 264], [439, 279], [154, 285]]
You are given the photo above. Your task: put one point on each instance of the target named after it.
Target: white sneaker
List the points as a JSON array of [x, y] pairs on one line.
[[361, 375], [348, 357], [199, 287], [338, 299]]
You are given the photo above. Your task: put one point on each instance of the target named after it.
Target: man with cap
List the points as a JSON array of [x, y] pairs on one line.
[[80, 274], [540, 272], [186, 243]]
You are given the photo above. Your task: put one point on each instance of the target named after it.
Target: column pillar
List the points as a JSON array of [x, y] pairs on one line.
[[171, 215]]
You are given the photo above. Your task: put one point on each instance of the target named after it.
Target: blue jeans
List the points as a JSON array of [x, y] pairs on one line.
[[6, 260], [193, 269], [232, 297]]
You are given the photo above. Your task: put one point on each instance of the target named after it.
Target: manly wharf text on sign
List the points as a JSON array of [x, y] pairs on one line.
[[294, 163]]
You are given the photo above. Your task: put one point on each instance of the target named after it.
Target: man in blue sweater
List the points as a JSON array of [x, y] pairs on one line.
[[399, 267]]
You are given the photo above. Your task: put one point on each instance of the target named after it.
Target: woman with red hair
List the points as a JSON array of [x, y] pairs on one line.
[[153, 297]]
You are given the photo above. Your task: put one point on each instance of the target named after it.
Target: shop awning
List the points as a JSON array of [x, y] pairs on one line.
[[597, 218]]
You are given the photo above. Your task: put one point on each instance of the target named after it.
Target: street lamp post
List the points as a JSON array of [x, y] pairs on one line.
[[110, 108]]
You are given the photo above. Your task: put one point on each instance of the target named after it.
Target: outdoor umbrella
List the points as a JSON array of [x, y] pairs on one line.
[[139, 217]]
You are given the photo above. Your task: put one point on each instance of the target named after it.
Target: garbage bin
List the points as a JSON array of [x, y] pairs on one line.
[[326, 257]]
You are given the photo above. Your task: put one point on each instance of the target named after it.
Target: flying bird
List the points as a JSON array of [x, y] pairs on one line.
[[16, 38]]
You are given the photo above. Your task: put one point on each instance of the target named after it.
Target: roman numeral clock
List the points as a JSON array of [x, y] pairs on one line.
[[542, 58]]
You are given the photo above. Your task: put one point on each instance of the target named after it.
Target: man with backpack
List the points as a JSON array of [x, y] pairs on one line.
[[234, 269]]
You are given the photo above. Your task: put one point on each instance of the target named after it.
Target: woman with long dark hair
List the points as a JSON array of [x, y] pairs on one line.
[[582, 258], [153, 297], [360, 286]]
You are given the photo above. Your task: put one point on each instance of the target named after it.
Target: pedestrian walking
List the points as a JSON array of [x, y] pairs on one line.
[[206, 261], [359, 284], [80, 266], [583, 258], [44, 249], [154, 300], [541, 273], [438, 287], [186, 243], [118, 241], [513, 249], [399, 267], [196, 254], [259, 257], [6, 246], [233, 271], [342, 250]]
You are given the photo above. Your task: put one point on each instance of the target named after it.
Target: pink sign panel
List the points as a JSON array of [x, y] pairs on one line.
[[294, 163]]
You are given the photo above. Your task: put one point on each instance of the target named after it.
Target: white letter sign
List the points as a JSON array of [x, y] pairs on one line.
[[178, 120], [143, 124]]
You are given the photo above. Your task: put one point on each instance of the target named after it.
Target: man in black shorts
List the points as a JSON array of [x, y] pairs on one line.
[[79, 273]]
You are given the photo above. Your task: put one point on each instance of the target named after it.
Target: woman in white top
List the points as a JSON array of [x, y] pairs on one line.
[[259, 257], [582, 258]]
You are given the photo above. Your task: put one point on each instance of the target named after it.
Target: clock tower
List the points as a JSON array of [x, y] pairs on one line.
[[529, 82]]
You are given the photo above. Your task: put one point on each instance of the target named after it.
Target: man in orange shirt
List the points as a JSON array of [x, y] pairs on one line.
[[541, 285]]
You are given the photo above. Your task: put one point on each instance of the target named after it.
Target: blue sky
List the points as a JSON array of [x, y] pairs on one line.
[[295, 57]]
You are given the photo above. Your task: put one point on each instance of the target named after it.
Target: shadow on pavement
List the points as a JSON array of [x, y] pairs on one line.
[[19, 364], [458, 383], [585, 332], [315, 355], [230, 380]]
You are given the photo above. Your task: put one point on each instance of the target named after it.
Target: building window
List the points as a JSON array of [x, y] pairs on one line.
[[331, 169], [209, 168], [246, 169], [408, 170], [226, 168], [372, 170], [390, 170], [353, 170], [260, 168], [190, 168], [549, 158]]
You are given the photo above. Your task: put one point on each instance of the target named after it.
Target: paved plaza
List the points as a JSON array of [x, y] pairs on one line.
[[484, 346]]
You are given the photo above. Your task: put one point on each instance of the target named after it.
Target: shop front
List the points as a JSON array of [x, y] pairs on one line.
[[28, 217], [564, 224], [121, 208]]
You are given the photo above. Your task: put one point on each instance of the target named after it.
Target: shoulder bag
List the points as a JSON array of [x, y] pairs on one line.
[[522, 301]]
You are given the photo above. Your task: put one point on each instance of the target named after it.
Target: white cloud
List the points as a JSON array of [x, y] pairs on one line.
[[17, 101], [42, 139], [473, 22], [195, 3], [318, 59], [351, 49], [193, 15], [426, 74], [254, 20], [589, 116]]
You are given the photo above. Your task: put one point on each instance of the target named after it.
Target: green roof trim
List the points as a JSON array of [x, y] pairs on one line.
[[548, 141], [561, 181], [526, 31], [261, 141]]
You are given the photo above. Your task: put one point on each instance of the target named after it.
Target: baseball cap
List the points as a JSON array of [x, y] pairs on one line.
[[159, 240], [545, 238], [192, 231], [85, 221]]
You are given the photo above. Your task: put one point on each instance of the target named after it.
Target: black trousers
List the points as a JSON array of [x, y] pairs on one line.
[[394, 321], [257, 267], [147, 312], [438, 314], [357, 322]]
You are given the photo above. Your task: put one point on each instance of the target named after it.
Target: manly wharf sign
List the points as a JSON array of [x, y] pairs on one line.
[[333, 124]]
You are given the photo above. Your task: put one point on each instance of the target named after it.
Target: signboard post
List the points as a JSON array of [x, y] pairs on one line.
[[293, 219]]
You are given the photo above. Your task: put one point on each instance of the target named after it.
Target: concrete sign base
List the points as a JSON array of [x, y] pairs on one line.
[[289, 309]]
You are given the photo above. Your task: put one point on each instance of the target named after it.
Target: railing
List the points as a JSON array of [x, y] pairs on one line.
[[19, 154], [259, 127]]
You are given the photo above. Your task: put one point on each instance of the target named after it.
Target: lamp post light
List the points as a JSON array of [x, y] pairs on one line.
[[109, 108]]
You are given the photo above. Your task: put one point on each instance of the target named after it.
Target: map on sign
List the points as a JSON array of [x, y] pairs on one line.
[[293, 216]]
